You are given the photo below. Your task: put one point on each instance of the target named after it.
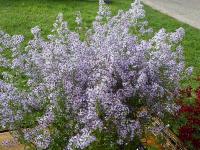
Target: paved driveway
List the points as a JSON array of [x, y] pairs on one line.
[[187, 11]]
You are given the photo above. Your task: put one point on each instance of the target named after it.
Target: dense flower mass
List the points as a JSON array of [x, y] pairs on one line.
[[119, 67], [189, 131]]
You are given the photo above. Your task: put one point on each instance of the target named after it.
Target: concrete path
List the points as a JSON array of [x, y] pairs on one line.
[[187, 11]]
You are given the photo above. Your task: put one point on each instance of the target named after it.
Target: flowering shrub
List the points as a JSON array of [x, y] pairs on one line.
[[75, 90], [189, 132]]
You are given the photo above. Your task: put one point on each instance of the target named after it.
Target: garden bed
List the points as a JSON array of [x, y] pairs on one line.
[[97, 88]]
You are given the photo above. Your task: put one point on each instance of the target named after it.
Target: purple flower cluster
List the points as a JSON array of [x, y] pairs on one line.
[[99, 79]]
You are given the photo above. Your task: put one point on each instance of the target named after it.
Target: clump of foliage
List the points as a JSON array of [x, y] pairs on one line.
[[83, 89], [189, 131]]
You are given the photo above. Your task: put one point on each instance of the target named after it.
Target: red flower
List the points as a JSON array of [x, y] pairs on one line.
[[198, 94], [190, 132], [196, 109], [194, 121], [185, 109], [196, 143], [186, 133]]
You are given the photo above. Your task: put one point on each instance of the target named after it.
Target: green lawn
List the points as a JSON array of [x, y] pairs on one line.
[[19, 16]]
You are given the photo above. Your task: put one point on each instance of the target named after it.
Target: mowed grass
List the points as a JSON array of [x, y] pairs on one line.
[[19, 16]]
